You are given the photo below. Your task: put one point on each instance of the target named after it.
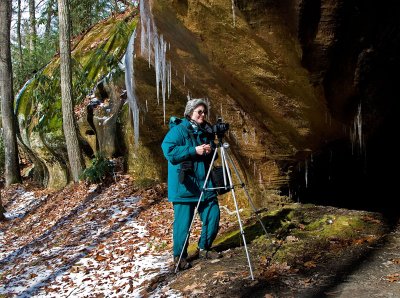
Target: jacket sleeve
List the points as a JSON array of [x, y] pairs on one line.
[[173, 151]]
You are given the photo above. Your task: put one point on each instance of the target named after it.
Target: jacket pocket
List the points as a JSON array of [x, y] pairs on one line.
[[189, 187]]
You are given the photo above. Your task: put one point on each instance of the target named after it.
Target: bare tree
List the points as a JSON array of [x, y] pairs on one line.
[[32, 26], [70, 132], [19, 34], [2, 210], [50, 14], [11, 164]]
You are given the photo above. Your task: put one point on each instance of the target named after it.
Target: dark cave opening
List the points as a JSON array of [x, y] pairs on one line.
[[341, 175]]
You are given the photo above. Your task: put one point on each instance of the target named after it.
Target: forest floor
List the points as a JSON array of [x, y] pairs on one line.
[[114, 240]]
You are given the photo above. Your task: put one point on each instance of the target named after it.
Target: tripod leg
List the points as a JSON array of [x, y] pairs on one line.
[[195, 210], [225, 164], [247, 194]]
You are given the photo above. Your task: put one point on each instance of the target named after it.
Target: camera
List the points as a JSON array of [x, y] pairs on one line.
[[220, 128]]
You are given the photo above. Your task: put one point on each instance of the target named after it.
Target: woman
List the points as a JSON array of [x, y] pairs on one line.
[[188, 147]]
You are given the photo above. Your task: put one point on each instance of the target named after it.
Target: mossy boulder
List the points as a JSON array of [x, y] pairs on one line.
[[38, 106]]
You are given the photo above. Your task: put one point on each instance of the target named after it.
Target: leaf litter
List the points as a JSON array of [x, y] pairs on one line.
[[88, 241], [83, 241], [115, 241]]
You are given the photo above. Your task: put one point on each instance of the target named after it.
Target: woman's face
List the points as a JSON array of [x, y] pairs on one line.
[[199, 114]]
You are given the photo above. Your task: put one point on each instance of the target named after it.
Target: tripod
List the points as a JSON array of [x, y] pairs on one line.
[[228, 184]]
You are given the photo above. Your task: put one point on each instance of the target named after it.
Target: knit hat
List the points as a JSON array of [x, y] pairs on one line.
[[194, 103]]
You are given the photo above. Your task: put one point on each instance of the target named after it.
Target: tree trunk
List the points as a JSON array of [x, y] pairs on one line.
[[12, 174], [50, 13], [19, 35], [32, 26], [70, 133], [116, 9], [2, 210]]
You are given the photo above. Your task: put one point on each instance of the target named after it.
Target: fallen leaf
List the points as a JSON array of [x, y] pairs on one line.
[[310, 264], [393, 277], [292, 239], [193, 287], [396, 261], [219, 274], [100, 258], [371, 219]]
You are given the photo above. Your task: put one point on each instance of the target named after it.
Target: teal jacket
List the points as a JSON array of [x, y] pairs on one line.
[[178, 146]]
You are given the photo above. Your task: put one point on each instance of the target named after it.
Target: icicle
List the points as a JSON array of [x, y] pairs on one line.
[[254, 170], [168, 75], [233, 13], [157, 45], [184, 80], [359, 126], [149, 40], [356, 132], [306, 172], [170, 78], [130, 86], [157, 66], [163, 75], [221, 109], [147, 106], [143, 34], [209, 105], [260, 177]]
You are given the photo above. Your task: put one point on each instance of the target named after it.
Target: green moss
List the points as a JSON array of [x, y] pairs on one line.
[[335, 226], [276, 221], [298, 233]]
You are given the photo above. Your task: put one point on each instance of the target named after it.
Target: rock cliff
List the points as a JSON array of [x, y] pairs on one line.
[[307, 86]]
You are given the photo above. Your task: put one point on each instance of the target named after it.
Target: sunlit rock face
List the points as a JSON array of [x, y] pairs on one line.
[[308, 88], [249, 67], [306, 85]]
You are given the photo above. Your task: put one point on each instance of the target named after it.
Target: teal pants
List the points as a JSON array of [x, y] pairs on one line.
[[183, 215]]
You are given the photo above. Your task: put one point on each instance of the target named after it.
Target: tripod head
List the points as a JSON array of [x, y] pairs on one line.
[[220, 128]]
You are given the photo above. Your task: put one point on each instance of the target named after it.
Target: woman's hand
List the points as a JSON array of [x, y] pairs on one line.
[[203, 149]]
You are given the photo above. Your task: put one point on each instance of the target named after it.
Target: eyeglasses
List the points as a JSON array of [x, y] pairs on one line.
[[201, 112]]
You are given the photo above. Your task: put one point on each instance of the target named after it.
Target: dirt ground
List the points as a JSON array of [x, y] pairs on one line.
[[356, 267], [309, 251]]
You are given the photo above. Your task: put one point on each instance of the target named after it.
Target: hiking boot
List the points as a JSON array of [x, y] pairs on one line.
[[183, 265], [208, 254]]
